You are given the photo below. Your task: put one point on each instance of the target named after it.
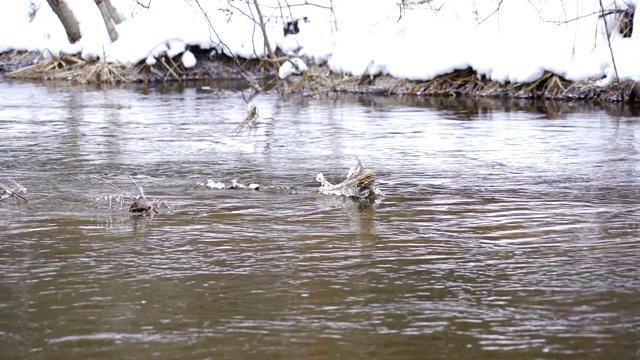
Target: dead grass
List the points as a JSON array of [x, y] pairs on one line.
[[466, 82], [318, 79], [75, 69], [71, 68]]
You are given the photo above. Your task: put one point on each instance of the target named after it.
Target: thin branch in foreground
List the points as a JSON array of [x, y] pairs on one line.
[[264, 30], [230, 53], [490, 15]]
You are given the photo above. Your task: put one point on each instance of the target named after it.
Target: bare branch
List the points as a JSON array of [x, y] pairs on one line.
[[490, 15], [606, 27], [230, 53]]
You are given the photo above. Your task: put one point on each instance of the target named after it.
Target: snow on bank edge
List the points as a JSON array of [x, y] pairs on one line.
[[512, 41]]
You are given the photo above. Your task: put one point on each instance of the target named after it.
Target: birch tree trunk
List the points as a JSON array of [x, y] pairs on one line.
[[68, 20]]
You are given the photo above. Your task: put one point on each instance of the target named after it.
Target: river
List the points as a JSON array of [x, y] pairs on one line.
[[509, 230]]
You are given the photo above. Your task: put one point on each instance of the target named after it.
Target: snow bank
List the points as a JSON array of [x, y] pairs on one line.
[[506, 41]]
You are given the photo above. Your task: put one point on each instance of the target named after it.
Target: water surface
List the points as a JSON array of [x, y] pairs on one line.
[[508, 230]]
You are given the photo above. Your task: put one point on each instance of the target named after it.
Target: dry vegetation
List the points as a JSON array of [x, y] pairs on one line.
[[75, 69], [463, 83], [316, 80]]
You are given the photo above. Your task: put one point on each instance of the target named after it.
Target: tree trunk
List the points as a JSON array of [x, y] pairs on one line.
[[67, 19], [117, 17], [105, 9]]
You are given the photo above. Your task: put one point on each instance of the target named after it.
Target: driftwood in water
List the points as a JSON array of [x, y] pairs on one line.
[[15, 191], [359, 184], [140, 204], [143, 206]]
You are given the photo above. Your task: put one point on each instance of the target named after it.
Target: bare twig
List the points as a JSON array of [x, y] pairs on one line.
[[230, 53], [490, 15], [606, 27]]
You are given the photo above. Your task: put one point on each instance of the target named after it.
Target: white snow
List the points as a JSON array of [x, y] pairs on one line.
[[293, 66], [188, 59], [507, 41]]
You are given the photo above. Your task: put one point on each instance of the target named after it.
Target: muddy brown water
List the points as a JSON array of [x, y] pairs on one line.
[[509, 231]]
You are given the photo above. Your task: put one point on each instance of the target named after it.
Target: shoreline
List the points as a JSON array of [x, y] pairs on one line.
[[317, 79]]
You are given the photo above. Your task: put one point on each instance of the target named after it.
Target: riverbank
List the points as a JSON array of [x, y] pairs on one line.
[[262, 75]]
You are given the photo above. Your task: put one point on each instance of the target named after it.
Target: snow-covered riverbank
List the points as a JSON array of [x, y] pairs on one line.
[[516, 41]]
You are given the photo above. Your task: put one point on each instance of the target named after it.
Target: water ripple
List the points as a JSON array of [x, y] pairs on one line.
[[502, 234]]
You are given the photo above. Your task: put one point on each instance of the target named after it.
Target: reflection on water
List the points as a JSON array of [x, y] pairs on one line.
[[509, 230]]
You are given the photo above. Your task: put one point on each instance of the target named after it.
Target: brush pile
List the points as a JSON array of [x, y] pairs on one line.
[[359, 184], [140, 204], [72, 68], [75, 69]]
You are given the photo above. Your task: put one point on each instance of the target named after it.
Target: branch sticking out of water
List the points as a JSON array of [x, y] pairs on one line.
[[249, 120], [144, 206], [140, 204], [359, 184], [121, 194]]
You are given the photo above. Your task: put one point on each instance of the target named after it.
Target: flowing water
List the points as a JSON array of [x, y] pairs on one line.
[[508, 230]]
